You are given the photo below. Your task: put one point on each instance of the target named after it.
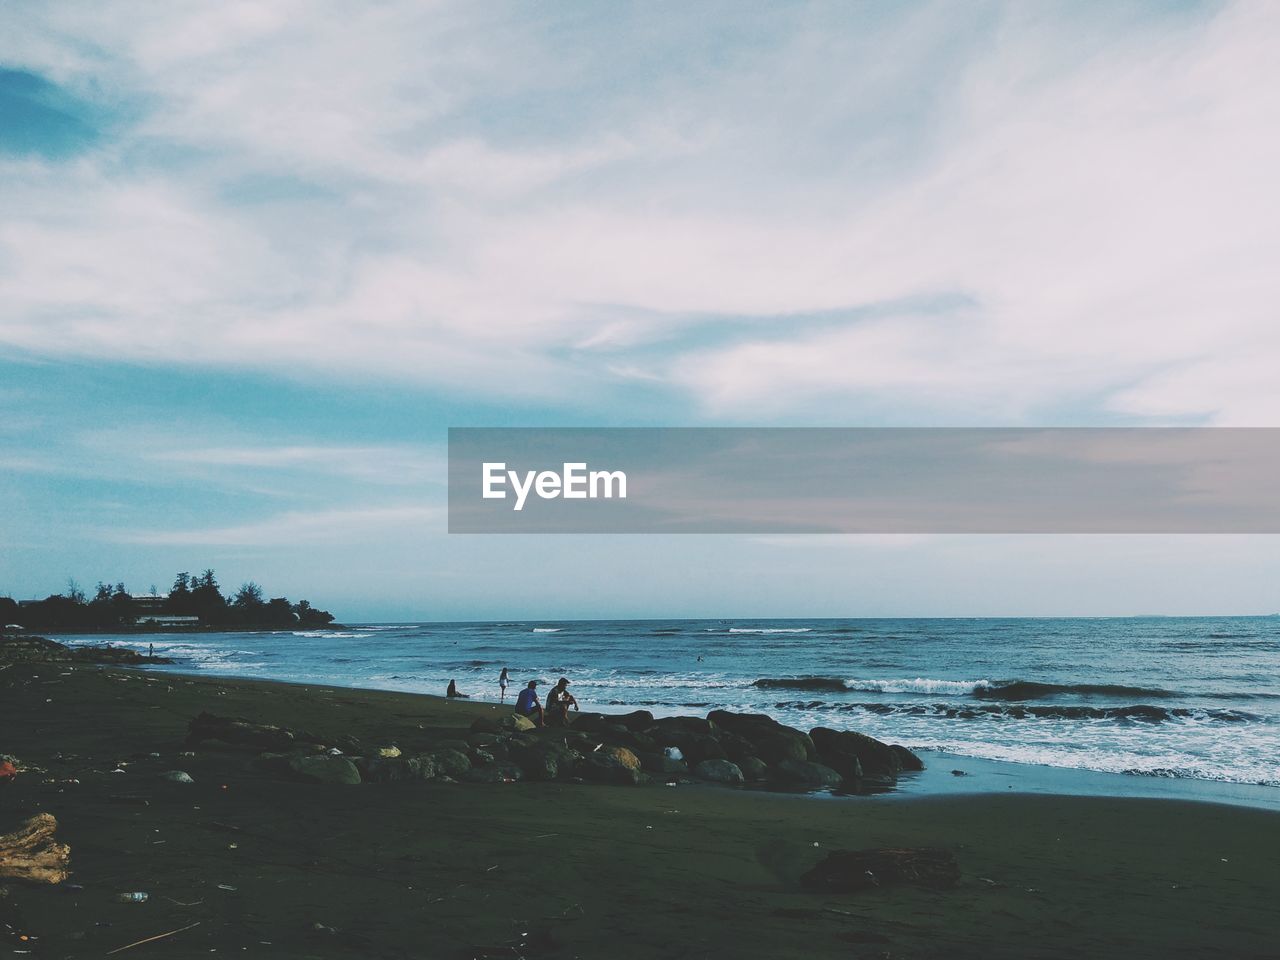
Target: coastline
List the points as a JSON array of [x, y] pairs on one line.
[[562, 870]]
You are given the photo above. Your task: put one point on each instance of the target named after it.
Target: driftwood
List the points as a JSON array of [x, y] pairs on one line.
[[846, 871], [31, 853]]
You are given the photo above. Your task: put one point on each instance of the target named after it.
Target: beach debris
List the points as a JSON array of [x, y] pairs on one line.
[[133, 896], [228, 887], [8, 771], [158, 936], [959, 773], [176, 776], [851, 871], [31, 853], [389, 753]]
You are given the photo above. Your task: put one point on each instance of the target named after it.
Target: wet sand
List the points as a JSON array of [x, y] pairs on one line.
[[275, 868]]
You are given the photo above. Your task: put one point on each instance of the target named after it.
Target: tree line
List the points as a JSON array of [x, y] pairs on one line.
[[112, 606]]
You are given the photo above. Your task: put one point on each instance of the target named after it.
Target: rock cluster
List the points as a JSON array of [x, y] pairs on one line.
[[724, 747], [25, 648]]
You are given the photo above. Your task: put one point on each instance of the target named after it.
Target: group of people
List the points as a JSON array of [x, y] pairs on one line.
[[555, 713]]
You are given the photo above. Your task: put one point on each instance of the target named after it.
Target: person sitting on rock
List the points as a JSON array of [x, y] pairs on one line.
[[454, 692], [527, 704], [559, 700]]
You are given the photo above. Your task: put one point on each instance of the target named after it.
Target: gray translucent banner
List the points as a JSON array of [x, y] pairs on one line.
[[782, 480]]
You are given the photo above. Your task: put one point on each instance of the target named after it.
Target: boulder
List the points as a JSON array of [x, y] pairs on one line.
[[421, 767], [665, 727], [485, 725], [910, 762], [719, 771], [176, 776], [806, 774], [662, 765], [449, 762], [389, 752], [514, 723], [771, 741], [736, 747], [602, 767], [622, 755], [845, 749], [544, 760], [635, 721], [385, 769], [321, 768], [753, 769], [849, 871], [460, 745], [493, 773], [240, 732]]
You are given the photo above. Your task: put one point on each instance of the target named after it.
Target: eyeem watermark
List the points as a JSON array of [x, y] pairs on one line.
[[573, 482]]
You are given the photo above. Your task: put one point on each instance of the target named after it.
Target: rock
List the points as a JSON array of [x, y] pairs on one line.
[[719, 771], [176, 776], [320, 768], [389, 752], [635, 721], [602, 767], [485, 725], [909, 761], [848, 871], [753, 769], [422, 767], [15, 648], [622, 755], [673, 753], [237, 731], [449, 762], [805, 773], [665, 728], [662, 765], [514, 723], [483, 740], [480, 758], [544, 760], [959, 773], [736, 747], [493, 773], [840, 748], [385, 769], [460, 745], [772, 741]]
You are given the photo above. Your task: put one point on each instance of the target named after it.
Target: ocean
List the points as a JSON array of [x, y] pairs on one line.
[[1167, 697]]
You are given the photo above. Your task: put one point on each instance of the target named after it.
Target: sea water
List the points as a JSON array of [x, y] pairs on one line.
[[1187, 698]]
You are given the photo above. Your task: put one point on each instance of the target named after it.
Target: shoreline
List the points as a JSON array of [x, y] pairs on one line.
[[270, 866], [981, 775]]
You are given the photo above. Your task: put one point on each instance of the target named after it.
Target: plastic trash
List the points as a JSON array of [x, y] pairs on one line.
[[133, 896]]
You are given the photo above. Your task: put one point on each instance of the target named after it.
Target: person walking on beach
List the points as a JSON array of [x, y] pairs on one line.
[[559, 700], [527, 704], [503, 680]]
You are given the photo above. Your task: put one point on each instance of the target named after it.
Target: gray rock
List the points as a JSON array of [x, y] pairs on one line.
[[176, 776], [719, 771], [841, 748], [806, 774], [385, 769], [493, 773], [544, 760], [320, 768], [753, 769], [449, 762], [602, 767]]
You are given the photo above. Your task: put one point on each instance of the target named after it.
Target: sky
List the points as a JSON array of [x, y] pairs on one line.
[[256, 258]]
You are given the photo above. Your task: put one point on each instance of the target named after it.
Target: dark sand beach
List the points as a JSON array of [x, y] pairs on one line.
[[264, 865]]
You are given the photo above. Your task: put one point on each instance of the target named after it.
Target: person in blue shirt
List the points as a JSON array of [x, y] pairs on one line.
[[527, 704]]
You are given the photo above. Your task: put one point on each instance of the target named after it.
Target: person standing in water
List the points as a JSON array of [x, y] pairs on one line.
[[503, 680]]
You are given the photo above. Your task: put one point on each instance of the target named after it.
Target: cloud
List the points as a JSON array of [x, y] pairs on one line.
[[350, 526], [548, 204]]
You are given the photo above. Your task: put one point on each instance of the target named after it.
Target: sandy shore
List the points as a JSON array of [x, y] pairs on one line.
[[271, 867]]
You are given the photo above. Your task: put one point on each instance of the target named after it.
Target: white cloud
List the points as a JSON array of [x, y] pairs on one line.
[[487, 202], [345, 527]]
